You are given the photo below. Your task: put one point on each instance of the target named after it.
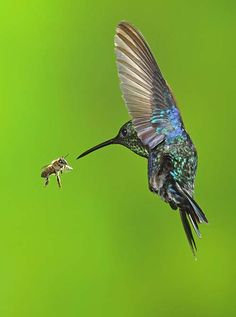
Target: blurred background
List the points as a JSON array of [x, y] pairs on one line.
[[104, 245]]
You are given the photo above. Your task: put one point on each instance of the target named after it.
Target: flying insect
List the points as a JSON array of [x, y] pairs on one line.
[[56, 168]]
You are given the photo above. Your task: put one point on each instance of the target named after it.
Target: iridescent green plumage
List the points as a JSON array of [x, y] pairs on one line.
[[172, 158], [156, 130]]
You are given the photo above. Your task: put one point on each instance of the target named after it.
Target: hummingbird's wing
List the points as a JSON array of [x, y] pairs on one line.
[[148, 98]]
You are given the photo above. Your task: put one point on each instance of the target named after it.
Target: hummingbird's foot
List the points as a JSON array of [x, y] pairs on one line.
[[173, 205]]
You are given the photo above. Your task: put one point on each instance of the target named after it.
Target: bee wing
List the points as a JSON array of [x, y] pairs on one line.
[[43, 167], [67, 168]]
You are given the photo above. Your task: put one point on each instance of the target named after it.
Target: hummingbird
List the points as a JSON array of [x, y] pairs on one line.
[[156, 130]]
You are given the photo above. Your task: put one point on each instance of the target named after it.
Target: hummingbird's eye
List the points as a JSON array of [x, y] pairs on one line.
[[124, 132]]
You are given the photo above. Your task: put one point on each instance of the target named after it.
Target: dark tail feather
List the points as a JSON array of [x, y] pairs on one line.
[[196, 209], [190, 212], [194, 223], [188, 231]]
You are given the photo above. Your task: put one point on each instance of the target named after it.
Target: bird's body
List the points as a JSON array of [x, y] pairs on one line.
[[156, 130], [168, 162], [171, 163]]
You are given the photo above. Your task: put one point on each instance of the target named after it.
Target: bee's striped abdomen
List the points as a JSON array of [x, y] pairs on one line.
[[48, 171]]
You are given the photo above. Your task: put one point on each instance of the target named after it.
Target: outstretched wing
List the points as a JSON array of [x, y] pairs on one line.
[[149, 100]]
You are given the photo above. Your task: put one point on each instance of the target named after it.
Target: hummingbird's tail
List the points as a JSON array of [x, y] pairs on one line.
[[190, 212], [188, 231]]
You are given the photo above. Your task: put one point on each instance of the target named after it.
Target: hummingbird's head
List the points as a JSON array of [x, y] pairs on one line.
[[127, 136]]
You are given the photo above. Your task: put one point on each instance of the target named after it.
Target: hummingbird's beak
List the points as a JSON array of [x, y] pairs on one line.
[[99, 146]]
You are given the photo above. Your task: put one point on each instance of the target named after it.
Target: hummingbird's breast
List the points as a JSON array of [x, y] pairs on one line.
[[184, 158], [170, 164]]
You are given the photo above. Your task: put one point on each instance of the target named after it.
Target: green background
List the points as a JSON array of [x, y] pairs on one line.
[[104, 245]]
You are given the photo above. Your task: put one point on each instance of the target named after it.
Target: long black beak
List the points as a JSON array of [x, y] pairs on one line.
[[99, 146]]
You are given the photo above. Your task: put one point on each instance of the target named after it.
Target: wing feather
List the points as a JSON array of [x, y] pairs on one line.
[[145, 91]]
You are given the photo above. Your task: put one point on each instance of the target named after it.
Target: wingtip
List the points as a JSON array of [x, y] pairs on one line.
[[123, 23], [121, 28], [124, 26]]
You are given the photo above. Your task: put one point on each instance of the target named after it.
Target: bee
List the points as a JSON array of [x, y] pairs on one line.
[[55, 168]]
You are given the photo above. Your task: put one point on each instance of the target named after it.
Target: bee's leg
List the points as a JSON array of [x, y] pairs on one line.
[[47, 181], [58, 180], [63, 169]]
